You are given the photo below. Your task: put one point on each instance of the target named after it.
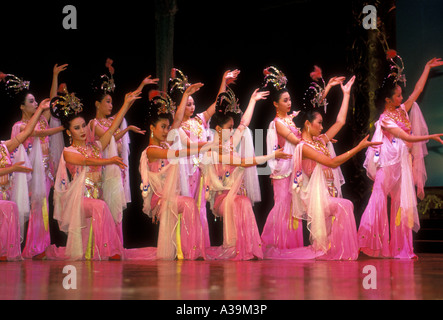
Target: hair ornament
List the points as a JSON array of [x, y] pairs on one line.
[[275, 77], [397, 67], [178, 81], [315, 93], [14, 84], [162, 102], [227, 102], [65, 104], [105, 83]]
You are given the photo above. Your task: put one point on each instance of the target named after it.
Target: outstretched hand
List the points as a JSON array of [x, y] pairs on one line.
[[136, 129], [434, 62], [347, 87], [259, 95], [193, 88], [279, 154], [437, 138], [19, 167], [118, 161], [57, 69], [365, 143]]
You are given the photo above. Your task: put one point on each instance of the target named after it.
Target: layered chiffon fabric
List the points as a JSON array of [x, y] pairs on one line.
[[396, 169], [281, 231], [229, 199], [38, 236], [330, 220], [181, 233], [90, 223], [10, 247]]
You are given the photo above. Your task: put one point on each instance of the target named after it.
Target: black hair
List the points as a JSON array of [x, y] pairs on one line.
[[386, 90], [306, 114], [221, 117], [153, 117]]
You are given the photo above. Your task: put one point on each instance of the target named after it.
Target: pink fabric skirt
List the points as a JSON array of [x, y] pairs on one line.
[[343, 243], [104, 240], [376, 238], [9, 231], [194, 188], [38, 237], [281, 231], [192, 243], [248, 245]]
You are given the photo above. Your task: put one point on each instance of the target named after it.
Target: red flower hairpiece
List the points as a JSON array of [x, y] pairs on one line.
[[316, 74]]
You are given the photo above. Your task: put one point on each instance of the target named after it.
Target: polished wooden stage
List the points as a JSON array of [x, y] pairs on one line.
[[382, 279]]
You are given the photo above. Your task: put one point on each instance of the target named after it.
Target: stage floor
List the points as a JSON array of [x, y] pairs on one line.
[[386, 279]]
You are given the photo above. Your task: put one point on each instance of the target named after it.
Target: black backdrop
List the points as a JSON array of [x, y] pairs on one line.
[[210, 37]]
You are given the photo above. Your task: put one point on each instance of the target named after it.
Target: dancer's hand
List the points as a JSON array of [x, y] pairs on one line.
[[19, 167], [279, 154], [136, 129], [193, 88], [434, 62], [335, 81], [45, 104], [365, 143], [118, 161], [130, 97], [437, 138], [57, 69], [231, 76], [347, 87], [259, 95]]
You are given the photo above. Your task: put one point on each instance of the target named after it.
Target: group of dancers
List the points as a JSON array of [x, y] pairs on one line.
[[208, 158]]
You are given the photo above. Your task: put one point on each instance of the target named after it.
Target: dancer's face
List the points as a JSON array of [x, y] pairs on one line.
[[396, 98], [77, 130], [316, 126], [284, 103], [161, 129], [30, 104], [190, 107], [104, 107]]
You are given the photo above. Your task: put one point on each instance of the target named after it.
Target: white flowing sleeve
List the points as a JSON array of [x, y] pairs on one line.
[[20, 190], [113, 191]]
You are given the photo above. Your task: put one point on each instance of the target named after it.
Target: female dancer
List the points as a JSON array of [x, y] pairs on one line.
[[392, 171], [15, 196], [37, 146], [282, 230], [180, 233], [103, 90], [228, 189], [330, 220], [78, 206], [198, 132]]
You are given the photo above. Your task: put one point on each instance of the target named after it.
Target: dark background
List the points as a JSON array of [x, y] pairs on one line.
[[210, 37]]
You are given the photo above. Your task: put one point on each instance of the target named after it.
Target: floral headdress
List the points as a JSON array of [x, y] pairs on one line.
[[275, 77], [227, 102], [14, 84], [161, 102], [177, 82], [105, 83], [65, 104], [315, 92], [397, 67]]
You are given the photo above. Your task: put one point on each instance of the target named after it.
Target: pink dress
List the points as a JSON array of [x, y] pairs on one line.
[[81, 212], [197, 131], [330, 219], [38, 236], [281, 230], [180, 230], [123, 152], [9, 217], [226, 192], [390, 166]]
